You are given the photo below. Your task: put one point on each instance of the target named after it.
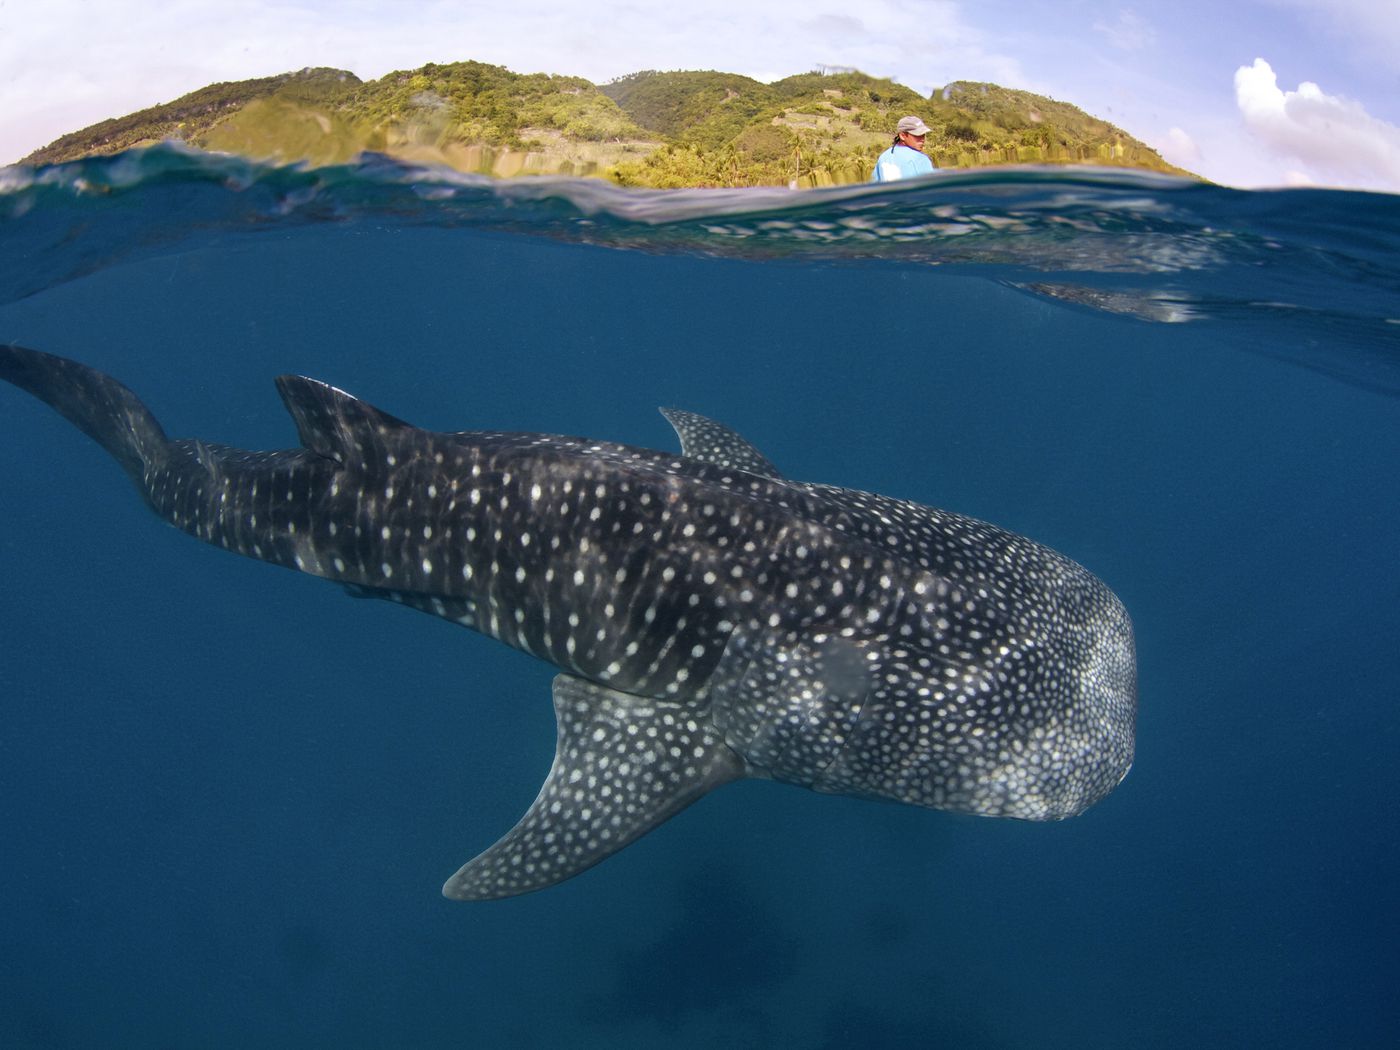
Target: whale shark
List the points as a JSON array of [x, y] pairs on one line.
[[710, 620]]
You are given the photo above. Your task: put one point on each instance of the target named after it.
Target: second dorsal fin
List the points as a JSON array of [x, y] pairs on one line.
[[332, 423]]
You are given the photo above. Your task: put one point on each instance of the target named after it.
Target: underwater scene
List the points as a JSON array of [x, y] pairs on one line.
[[230, 796]]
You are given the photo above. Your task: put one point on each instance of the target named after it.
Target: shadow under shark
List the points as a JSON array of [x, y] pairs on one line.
[[710, 619]]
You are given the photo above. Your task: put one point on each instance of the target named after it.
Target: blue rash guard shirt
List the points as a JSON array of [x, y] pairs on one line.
[[901, 162]]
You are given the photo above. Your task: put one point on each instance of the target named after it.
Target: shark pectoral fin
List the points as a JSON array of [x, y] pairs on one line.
[[711, 442], [623, 765]]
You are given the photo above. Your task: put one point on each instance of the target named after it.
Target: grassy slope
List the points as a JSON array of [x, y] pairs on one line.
[[648, 129], [191, 116]]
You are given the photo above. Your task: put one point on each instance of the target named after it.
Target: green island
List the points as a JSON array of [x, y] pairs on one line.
[[648, 129]]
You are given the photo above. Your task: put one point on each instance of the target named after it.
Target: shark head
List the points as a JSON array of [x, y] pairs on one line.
[[1066, 740], [1016, 700]]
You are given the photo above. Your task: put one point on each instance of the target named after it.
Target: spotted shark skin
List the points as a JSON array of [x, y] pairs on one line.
[[710, 620]]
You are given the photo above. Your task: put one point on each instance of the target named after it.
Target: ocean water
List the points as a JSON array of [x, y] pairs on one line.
[[229, 795]]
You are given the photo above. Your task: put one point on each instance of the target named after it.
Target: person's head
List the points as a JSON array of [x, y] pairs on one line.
[[910, 131]]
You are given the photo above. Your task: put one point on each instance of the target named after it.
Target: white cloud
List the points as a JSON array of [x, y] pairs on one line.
[[1128, 32], [1334, 138], [1179, 148]]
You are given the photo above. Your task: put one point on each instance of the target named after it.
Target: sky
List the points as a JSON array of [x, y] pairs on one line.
[[1249, 93]]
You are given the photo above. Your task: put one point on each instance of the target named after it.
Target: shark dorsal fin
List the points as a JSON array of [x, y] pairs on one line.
[[331, 422], [704, 439], [623, 765]]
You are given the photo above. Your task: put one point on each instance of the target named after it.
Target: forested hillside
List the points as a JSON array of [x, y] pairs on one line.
[[648, 129]]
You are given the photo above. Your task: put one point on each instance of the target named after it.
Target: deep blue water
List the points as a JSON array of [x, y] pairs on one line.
[[229, 795]]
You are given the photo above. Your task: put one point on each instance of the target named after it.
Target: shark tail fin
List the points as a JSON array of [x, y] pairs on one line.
[[95, 403]]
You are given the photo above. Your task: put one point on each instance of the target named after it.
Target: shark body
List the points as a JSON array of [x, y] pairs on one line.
[[710, 619]]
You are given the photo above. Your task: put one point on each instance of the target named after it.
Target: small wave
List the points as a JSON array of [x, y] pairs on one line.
[[1154, 246]]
